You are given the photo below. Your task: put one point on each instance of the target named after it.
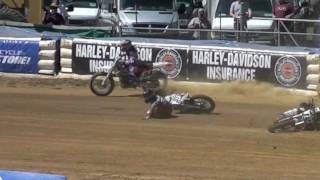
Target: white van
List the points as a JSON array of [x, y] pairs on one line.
[[130, 14], [85, 12], [221, 20]]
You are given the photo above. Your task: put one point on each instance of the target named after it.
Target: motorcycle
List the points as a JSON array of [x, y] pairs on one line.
[[302, 121], [185, 103], [147, 76]]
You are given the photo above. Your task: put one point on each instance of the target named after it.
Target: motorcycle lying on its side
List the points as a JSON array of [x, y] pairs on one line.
[[147, 76], [185, 103], [306, 120]]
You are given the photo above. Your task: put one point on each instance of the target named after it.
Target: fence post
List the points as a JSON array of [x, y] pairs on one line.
[[278, 28]]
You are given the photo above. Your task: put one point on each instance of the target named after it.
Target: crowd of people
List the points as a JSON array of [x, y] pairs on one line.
[[198, 20], [241, 11]]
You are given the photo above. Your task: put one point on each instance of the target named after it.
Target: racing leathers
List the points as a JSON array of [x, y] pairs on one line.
[[132, 60], [131, 65]]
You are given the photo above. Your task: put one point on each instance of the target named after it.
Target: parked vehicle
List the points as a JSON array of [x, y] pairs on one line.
[[221, 20], [130, 15], [85, 12], [185, 103], [148, 76]]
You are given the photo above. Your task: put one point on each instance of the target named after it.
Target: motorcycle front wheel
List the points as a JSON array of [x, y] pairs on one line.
[[202, 104], [281, 126], [100, 85]]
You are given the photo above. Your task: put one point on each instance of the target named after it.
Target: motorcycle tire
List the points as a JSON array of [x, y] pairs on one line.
[[206, 104], [162, 80], [155, 81], [100, 89], [281, 126]]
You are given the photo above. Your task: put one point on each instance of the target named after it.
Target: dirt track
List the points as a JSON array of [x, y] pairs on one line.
[[55, 127]]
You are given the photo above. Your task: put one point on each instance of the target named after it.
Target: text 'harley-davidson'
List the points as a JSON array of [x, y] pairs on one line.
[[147, 76]]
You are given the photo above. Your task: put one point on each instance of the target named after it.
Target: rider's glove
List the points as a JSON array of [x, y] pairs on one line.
[[148, 115]]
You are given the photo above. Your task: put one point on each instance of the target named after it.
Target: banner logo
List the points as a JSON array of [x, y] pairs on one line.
[[287, 71], [173, 57]]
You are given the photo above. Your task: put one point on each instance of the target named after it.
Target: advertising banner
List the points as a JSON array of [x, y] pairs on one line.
[[19, 56], [16, 175], [214, 65], [199, 63], [91, 57]]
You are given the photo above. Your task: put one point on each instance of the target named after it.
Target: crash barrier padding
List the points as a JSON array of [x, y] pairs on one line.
[[47, 57], [206, 61], [19, 55], [313, 69], [42, 55], [16, 175], [66, 56], [66, 52]]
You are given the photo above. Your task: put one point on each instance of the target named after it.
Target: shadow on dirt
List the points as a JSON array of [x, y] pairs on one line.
[[200, 113], [131, 95]]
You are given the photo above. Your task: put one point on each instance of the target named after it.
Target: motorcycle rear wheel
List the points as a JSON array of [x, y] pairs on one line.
[[154, 81], [100, 88], [204, 103]]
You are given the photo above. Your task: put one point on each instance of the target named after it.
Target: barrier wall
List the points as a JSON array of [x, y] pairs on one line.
[[290, 68], [313, 69], [205, 61], [28, 55], [19, 175], [66, 53], [47, 57]]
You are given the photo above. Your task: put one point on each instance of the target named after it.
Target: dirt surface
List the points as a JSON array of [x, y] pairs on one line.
[[58, 126]]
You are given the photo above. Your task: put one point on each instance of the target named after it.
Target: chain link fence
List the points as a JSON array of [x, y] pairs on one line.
[[284, 32]]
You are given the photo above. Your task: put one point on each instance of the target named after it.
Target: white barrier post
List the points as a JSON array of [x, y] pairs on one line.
[[313, 71], [47, 55], [66, 56]]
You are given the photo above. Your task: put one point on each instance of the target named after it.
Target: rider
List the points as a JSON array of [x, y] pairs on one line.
[[309, 110], [302, 108], [160, 108], [132, 61]]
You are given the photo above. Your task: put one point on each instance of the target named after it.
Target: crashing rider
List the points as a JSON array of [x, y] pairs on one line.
[[309, 111], [132, 62], [160, 107], [300, 109]]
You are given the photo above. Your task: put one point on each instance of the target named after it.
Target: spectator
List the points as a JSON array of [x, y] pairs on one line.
[[241, 12], [62, 10], [283, 9], [2, 4], [198, 5], [199, 22], [52, 17], [302, 12]]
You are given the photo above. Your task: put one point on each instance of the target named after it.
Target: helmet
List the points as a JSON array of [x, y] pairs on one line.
[[201, 12], [306, 106], [149, 96], [54, 5], [198, 4], [303, 3], [125, 45]]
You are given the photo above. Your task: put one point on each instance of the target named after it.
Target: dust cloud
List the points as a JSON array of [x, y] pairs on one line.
[[242, 92]]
